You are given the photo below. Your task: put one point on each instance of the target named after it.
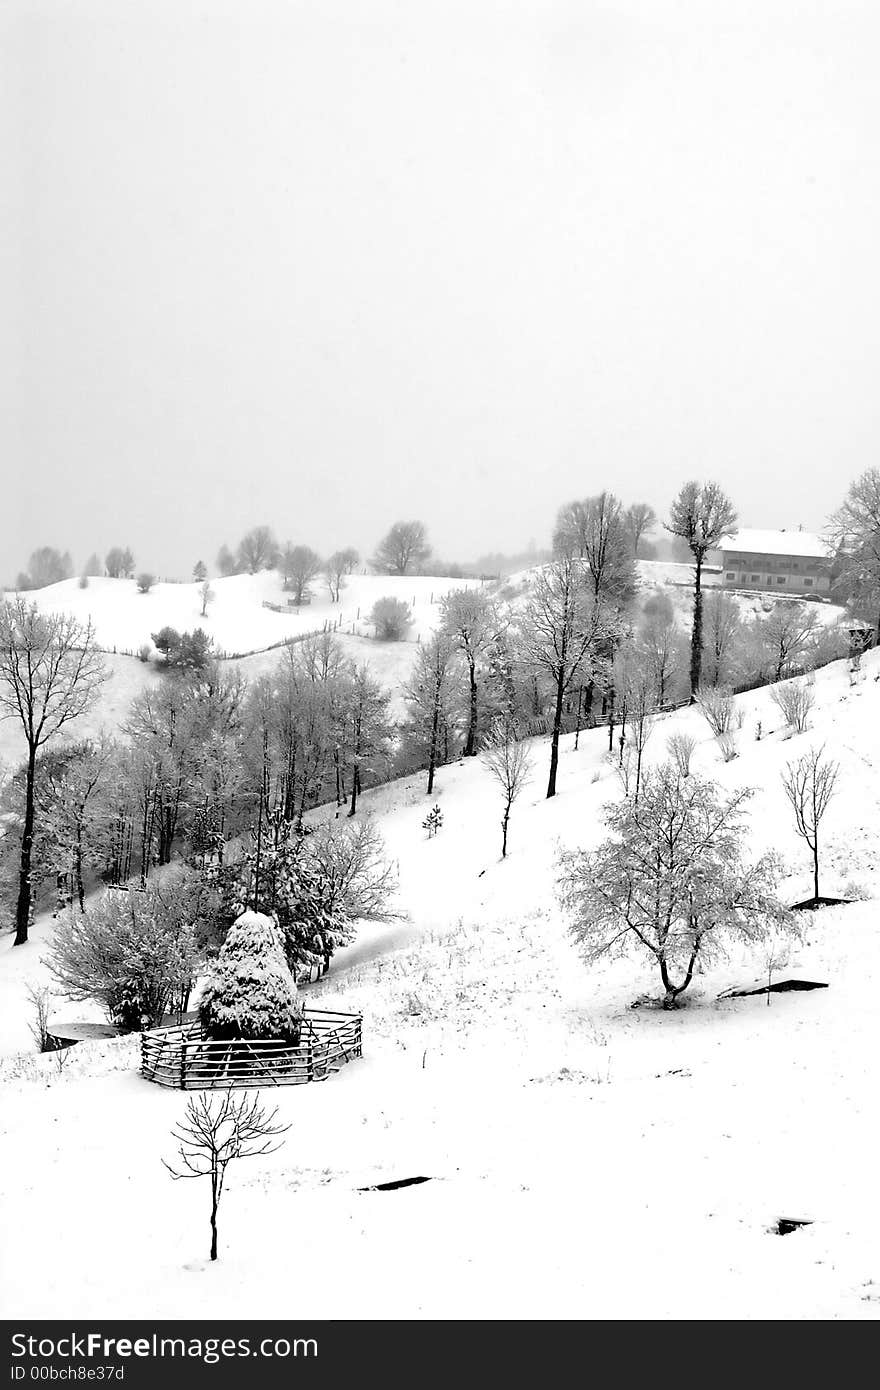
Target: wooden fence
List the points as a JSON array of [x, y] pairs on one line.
[[182, 1057]]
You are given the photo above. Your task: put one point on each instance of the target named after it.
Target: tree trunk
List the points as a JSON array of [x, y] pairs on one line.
[[470, 746], [816, 869], [432, 760], [504, 824], [554, 741], [697, 634], [23, 907], [78, 861], [214, 1230]]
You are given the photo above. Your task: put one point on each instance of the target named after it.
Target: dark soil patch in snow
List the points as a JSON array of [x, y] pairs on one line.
[[394, 1185], [811, 904], [778, 987], [787, 1224]]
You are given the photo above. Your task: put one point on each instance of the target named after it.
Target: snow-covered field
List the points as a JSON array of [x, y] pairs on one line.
[[124, 618], [587, 1159]]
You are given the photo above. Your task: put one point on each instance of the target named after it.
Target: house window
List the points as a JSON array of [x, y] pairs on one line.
[[808, 583], [795, 564], [780, 579], [754, 578], [730, 575]]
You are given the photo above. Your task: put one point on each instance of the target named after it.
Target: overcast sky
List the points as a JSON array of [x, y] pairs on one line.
[[327, 263]]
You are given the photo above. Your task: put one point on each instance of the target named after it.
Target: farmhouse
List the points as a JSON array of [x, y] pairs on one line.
[[782, 561]]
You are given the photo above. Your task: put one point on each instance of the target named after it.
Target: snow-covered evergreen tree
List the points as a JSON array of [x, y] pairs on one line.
[[251, 992]]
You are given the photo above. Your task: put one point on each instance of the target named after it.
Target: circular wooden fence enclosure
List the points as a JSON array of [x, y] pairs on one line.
[[183, 1057]]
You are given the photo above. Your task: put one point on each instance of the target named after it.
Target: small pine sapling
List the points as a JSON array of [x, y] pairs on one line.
[[433, 821]]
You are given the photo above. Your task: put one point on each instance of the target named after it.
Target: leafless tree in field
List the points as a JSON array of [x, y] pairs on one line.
[[214, 1133], [403, 550], [50, 673], [809, 784], [561, 626], [701, 514], [207, 596], [508, 759], [640, 519]]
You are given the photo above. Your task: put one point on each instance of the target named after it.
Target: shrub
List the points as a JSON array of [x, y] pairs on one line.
[[84, 581], [144, 652], [391, 618], [795, 700], [719, 709], [250, 991], [133, 951], [681, 750], [145, 582], [728, 745]]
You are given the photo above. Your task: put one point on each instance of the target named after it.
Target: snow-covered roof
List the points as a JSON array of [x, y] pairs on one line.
[[803, 543]]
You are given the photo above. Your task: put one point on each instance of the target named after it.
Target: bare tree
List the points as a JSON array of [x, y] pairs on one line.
[[855, 528], [403, 549], [640, 706], [428, 695], [809, 784], [561, 626], [787, 636], [506, 756], [299, 566], [722, 628], [207, 596], [214, 1133], [640, 519], [258, 550], [701, 514], [335, 570], [473, 622], [352, 558], [671, 880], [596, 531], [50, 674]]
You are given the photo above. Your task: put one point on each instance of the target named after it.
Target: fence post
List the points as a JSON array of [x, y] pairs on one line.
[[310, 1062], [182, 1065]]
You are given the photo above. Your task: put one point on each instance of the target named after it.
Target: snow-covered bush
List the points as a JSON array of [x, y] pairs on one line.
[[391, 617], [795, 700], [133, 951], [250, 991], [145, 582], [671, 880]]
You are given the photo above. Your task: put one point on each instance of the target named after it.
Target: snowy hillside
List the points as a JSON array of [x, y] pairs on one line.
[[587, 1159], [124, 620], [236, 619]]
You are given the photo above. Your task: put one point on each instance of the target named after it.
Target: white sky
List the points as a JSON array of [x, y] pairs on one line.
[[327, 263]]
